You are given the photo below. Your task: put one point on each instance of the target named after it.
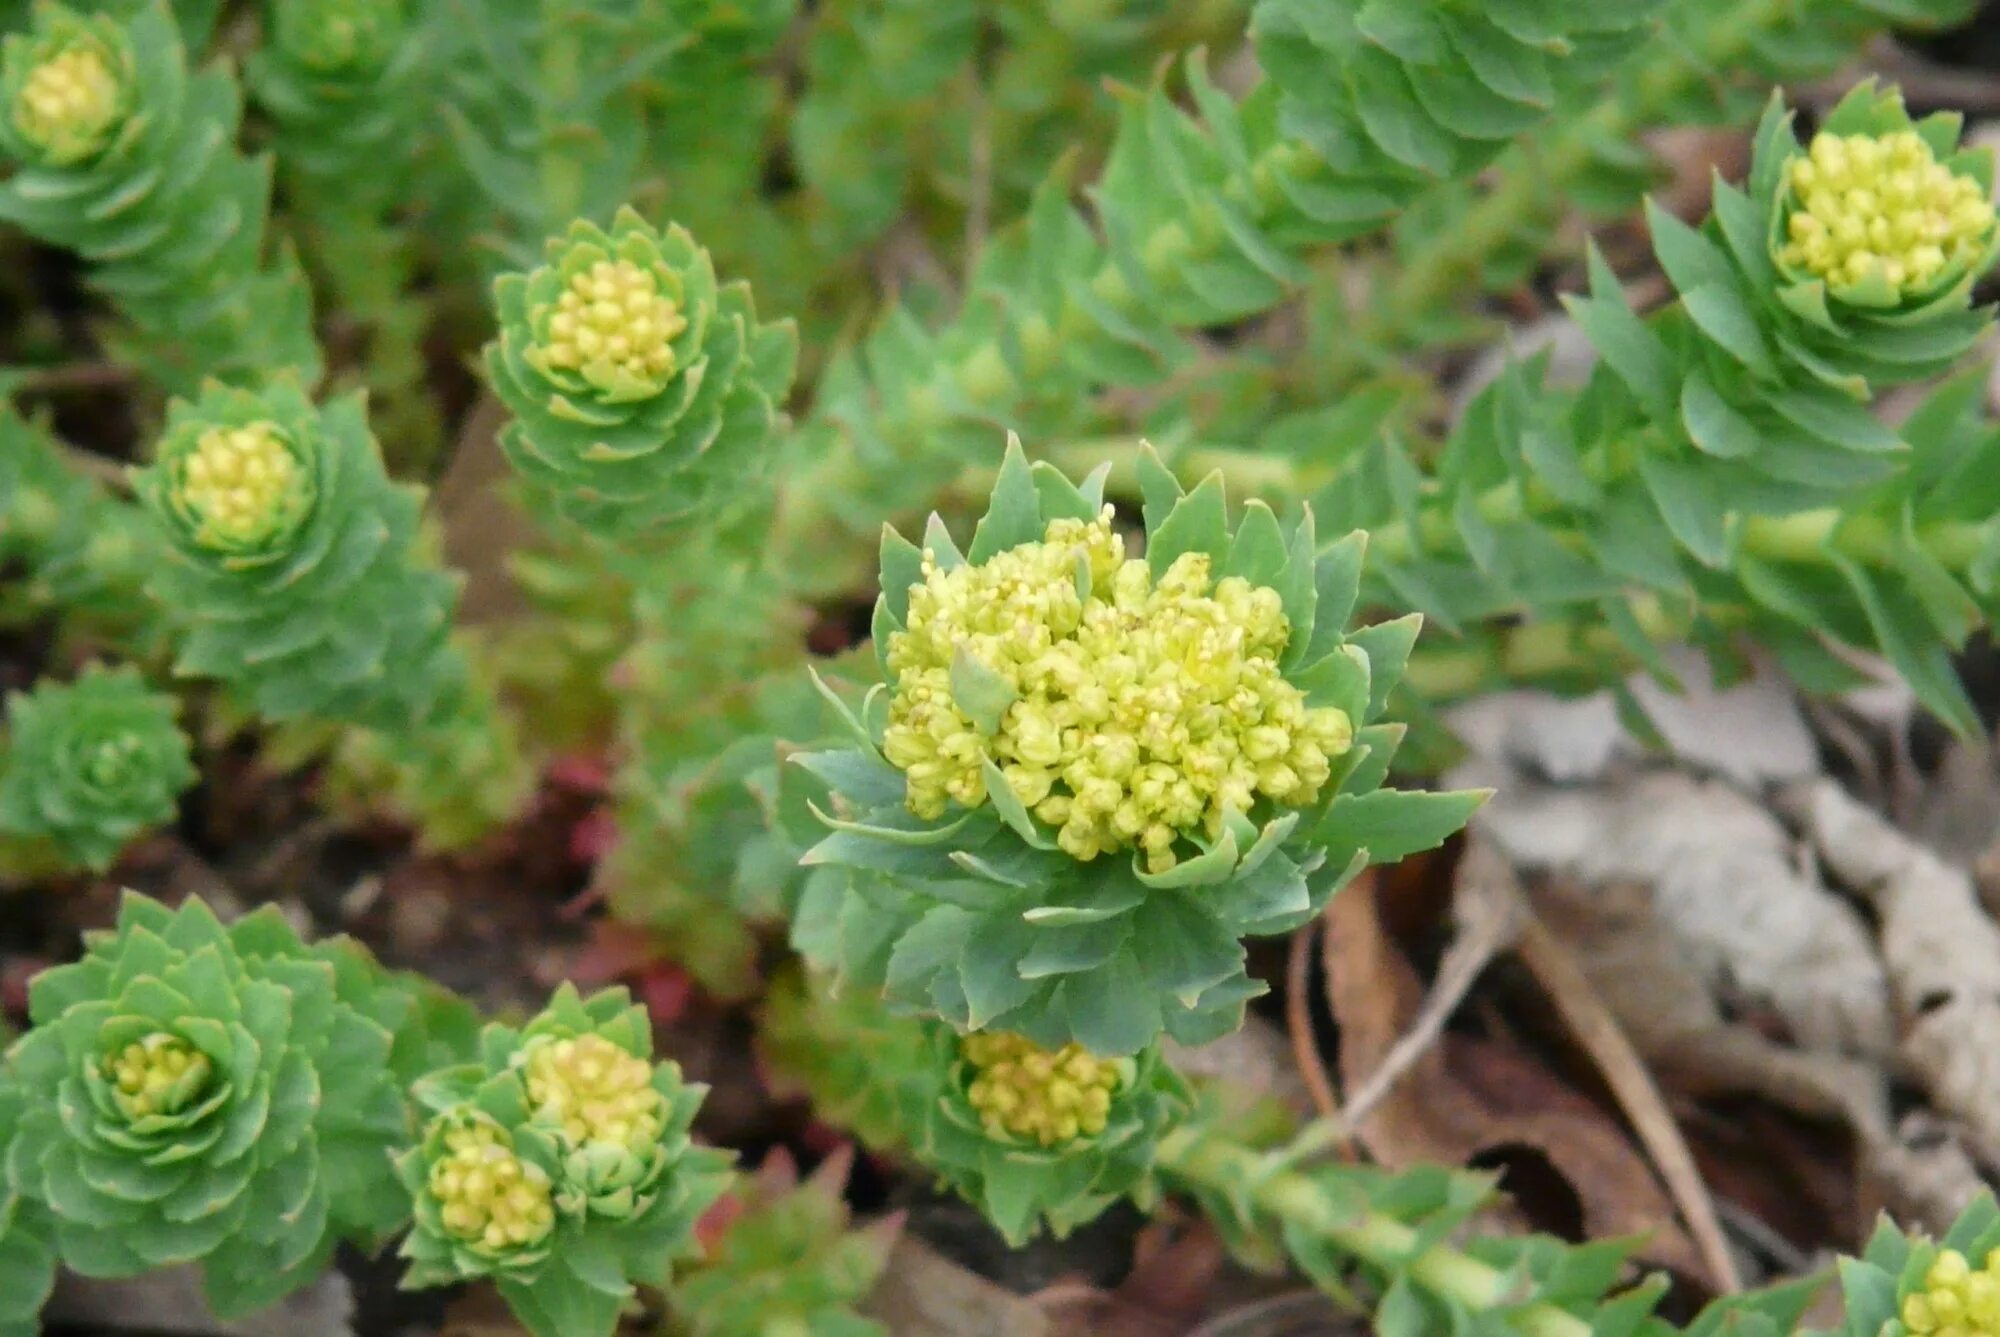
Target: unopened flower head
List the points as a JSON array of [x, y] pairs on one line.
[[1956, 1300], [242, 486], [613, 324], [592, 1092], [1882, 208], [334, 35], [488, 1198], [1144, 710], [71, 95], [157, 1074], [1037, 1095]]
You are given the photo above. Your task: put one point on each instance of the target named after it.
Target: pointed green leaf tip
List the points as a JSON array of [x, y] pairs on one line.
[[1063, 740], [194, 1093], [644, 392], [91, 765], [594, 1185]]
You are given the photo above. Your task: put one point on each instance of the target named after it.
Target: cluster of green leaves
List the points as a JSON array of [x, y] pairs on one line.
[[1201, 221], [1720, 473], [190, 1093], [70, 550], [788, 1261], [139, 172], [86, 767]]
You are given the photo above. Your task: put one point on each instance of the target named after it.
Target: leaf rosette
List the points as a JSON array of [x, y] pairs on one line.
[[212, 1095], [128, 159], [643, 391], [1042, 1138], [1086, 779], [293, 563], [1874, 235], [559, 1165], [91, 764]]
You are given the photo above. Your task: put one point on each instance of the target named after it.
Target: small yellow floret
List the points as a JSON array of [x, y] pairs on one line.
[[1143, 712], [1024, 1091], [1956, 1300], [240, 482], [71, 103], [488, 1196], [157, 1074], [611, 321], [594, 1092], [1882, 207]]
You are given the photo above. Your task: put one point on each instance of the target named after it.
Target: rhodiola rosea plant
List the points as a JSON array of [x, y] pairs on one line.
[[971, 500]]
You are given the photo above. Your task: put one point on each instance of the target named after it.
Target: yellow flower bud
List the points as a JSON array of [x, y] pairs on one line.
[[612, 326], [593, 1092], [158, 1074], [241, 485], [487, 1196], [1048, 1097], [72, 103], [1132, 706], [1882, 208]]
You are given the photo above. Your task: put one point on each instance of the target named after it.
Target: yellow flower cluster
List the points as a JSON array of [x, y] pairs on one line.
[[243, 483], [1883, 206], [487, 1195], [71, 103], [1956, 1301], [1142, 712], [157, 1074], [1028, 1092], [612, 322], [593, 1091]]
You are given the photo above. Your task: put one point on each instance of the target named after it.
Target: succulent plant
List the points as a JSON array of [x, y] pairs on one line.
[[1088, 777], [559, 1166], [27, 1251], [91, 764], [226, 1096], [117, 147], [643, 392], [293, 567]]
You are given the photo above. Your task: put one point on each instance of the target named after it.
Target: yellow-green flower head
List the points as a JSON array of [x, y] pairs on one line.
[[592, 1092], [1143, 710], [71, 94], [487, 1197], [613, 324], [1037, 1095], [1882, 208], [242, 486], [158, 1074], [1956, 1301]]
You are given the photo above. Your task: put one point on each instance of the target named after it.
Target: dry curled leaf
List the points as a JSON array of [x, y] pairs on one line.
[[1471, 1101]]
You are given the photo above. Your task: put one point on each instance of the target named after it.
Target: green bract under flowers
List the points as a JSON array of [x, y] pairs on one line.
[[222, 1096], [69, 87], [643, 392], [1042, 1138], [90, 765], [1876, 234], [560, 1166], [1086, 780], [294, 567]]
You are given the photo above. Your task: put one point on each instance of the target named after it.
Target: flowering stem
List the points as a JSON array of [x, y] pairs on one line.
[[1232, 1170]]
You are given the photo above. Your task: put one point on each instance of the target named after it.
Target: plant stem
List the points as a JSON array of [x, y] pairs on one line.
[[1225, 1167]]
